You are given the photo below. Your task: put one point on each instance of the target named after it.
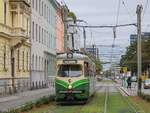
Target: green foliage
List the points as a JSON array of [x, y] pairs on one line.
[[96, 61], [73, 16], [144, 96], [10, 111], [130, 58], [44, 100], [98, 65], [28, 106]]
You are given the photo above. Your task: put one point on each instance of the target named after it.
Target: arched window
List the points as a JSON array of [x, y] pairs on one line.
[[39, 34], [4, 57], [5, 12], [18, 59], [27, 59], [39, 63], [33, 3], [33, 30], [36, 62], [23, 60]]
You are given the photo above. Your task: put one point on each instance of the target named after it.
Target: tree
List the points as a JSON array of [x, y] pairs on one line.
[[97, 63], [130, 58], [73, 16]]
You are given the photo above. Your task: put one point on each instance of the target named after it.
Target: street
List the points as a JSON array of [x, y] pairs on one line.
[[109, 98]]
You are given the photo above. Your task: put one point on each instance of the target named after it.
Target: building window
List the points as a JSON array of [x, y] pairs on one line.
[[33, 3], [36, 5], [5, 12], [23, 60], [12, 19], [27, 27], [42, 35], [42, 63], [39, 33], [27, 61], [36, 32], [36, 63], [18, 58], [47, 14], [4, 57], [33, 30], [40, 7], [39, 62], [33, 62], [44, 11]]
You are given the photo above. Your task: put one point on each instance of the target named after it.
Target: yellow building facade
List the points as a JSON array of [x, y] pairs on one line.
[[14, 41]]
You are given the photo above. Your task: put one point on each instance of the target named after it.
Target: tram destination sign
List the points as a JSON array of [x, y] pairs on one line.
[[70, 61]]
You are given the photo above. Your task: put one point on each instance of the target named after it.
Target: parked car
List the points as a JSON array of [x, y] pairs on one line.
[[147, 84], [99, 78], [134, 78]]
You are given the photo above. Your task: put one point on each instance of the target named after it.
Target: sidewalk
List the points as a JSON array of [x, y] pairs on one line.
[[129, 91], [21, 98]]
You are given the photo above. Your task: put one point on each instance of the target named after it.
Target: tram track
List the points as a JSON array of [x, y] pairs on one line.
[[82, 106], [106, 99]]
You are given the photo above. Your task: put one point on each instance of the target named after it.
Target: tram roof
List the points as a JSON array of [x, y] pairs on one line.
[[75, 56]]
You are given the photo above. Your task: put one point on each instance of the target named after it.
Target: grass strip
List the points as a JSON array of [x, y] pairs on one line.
[[116, 104]]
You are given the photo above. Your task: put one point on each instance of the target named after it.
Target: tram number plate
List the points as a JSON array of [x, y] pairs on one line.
[[70, 61]]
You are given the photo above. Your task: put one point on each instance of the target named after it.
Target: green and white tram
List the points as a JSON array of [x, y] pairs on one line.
[[75, 80]]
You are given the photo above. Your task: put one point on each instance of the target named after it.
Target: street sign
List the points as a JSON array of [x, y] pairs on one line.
[[125, 69]]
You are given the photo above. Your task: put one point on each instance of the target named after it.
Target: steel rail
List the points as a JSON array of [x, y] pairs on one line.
[[106, 100]]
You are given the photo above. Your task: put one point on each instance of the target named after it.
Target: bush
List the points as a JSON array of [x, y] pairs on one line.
[[144, 96], [44, 100], [38, 103], [11, 111], [28, 106], [51, 98]]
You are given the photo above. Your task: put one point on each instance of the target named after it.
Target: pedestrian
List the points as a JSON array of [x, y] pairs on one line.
[[129, 82]]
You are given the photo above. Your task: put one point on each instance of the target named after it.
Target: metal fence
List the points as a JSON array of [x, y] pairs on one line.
[[7, 88]]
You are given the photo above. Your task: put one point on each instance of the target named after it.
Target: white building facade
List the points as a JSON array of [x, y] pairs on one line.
[[43, 40], [73, 37]]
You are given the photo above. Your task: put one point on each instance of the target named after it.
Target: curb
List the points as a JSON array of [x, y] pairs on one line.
[[125, 91]]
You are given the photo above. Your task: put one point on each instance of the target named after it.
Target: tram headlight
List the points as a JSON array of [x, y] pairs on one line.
[[70, 87]]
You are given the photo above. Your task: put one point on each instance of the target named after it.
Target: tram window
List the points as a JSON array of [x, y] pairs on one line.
[[70, 71], [86, 69]]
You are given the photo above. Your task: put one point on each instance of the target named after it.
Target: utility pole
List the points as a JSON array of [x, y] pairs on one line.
[[84, 36], [93, 46], [139, 56], [72, 35]]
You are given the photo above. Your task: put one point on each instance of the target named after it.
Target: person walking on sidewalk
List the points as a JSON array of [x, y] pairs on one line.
[[129, 82]]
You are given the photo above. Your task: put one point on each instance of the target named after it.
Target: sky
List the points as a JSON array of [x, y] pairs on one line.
[[104, 12]]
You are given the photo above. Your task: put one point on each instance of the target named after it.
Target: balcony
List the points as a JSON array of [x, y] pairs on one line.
[[12, 32], [27, 2], [5, 30]]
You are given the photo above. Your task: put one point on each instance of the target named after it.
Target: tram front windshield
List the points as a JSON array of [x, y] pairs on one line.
[[70, 71]]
